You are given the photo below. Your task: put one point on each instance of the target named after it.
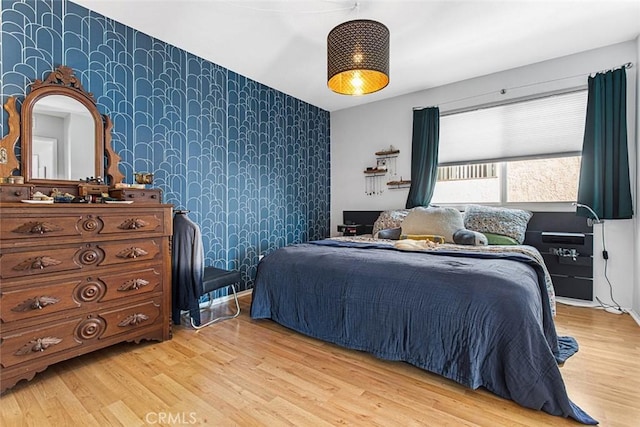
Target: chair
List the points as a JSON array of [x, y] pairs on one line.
[[214, 279]]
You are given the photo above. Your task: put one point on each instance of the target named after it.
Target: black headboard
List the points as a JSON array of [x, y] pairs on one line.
[[364, 218], [554, 234]]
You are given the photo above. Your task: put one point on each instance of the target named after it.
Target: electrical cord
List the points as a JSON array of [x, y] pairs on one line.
[[605, 255], [616, 309]]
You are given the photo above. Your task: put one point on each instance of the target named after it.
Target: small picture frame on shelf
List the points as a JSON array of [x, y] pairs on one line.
[[381, 164]]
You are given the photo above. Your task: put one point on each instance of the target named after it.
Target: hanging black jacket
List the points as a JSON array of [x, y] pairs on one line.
[[188, 267]]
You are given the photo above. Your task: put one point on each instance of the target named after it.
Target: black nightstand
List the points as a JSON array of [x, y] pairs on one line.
[[352, 229], [565, 241]]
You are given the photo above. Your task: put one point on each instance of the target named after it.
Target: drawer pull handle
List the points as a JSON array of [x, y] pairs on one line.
[[133, 285], [37, 263], [133, 224], [132, 253], [39, 344], [37, 228], [133, 320], [36, 303]]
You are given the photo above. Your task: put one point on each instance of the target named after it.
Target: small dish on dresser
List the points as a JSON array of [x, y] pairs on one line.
[[38, 202], [119, 202]]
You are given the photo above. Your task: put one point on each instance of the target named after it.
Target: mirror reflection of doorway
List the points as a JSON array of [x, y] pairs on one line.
[[44, 160]]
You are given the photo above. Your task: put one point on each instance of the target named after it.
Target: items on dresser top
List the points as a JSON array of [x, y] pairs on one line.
[[78, 278], [14, 180], [82, 193], [126, 185], [41, 197]]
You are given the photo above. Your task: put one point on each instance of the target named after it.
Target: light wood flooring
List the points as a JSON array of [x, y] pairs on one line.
[[246, 372]]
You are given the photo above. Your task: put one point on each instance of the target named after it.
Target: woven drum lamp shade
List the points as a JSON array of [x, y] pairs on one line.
[[358, 57]]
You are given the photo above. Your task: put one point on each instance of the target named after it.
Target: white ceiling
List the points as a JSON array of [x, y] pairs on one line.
[[282, 44]]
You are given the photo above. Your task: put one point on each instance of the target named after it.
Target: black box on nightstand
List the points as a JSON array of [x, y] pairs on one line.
[[352, 229]]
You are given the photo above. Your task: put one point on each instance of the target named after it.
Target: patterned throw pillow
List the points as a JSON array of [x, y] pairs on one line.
[[389, 219], [496, 220]]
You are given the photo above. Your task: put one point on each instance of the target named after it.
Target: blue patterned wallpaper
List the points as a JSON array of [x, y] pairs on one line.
[[250, 163]]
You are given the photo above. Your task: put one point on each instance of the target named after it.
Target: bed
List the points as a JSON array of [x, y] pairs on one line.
[[482, 317]]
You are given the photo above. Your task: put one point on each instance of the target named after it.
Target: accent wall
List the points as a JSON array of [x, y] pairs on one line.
[[250, 163]]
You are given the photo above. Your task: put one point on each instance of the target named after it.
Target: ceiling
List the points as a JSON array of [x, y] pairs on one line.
[[282, 44]]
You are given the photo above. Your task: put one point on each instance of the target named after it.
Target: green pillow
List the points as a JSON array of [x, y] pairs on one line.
[[499, 239]]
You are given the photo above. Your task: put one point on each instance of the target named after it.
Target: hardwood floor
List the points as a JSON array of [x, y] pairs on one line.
[[245, 372]]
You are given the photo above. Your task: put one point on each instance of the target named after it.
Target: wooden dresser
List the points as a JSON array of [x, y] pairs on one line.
[[76, 278]]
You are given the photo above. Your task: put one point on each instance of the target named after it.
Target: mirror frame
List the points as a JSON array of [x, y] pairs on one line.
[[62, 81]]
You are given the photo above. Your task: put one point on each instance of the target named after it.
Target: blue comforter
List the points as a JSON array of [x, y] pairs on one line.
[[482, 320]]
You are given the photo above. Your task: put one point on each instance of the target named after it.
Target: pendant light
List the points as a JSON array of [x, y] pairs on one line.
[[358, 57]]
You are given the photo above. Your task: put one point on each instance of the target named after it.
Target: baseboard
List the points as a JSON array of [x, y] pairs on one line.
[[635, 316], [576, 302], [593, 304], [225, 298]]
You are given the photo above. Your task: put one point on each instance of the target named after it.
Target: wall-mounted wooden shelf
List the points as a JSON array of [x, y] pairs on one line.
[[399, 184], [387, 153], [375, 171]]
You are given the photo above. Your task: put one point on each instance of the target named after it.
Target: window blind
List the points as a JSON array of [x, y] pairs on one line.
[[537, 127]]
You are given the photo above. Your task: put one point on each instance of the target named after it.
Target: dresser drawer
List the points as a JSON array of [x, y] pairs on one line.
[[31, 302], [34, 302], [27, 345], [128, 319], [15, 192], [39, 343], [132, 224], [43, 261], [137, 195], [81, 225], [131, 283], [39, 227], [69, 258]]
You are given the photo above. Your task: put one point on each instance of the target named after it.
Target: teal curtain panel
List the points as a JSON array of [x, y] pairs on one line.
[[604, 172], [424, 156]]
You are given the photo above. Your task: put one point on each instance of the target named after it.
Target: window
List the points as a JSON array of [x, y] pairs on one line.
[[543, 180], [522, 152], [466, 172], [535, 180], [462, 183]]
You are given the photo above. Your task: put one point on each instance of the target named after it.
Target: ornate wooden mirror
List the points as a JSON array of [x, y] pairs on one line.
[[64, 138]]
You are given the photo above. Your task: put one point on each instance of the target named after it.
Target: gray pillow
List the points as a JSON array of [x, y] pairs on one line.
[[469, 237], [390, 233]]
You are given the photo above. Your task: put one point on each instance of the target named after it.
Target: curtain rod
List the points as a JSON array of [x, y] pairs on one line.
[[503, 91]]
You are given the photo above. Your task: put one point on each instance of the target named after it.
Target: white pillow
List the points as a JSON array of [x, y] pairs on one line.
[[437, 221]]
